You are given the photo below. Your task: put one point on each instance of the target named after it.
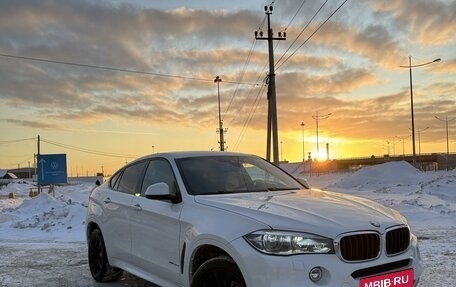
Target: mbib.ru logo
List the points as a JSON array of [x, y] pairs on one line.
[[396, 279]]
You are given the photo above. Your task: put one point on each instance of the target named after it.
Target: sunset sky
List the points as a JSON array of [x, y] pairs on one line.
[[103, 118]]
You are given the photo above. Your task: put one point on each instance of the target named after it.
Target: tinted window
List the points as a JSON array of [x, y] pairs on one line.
[[228, 174], [159, 170], [129, 182], [114, 181]]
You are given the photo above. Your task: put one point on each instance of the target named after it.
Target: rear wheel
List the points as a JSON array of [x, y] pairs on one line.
[[98, 260], [219, 271]]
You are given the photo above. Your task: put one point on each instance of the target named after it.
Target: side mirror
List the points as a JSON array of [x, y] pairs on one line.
[[160, 191], [304, 182]]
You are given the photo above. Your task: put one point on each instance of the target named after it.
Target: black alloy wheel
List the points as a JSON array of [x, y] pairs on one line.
[[218, 272], [98, 260]]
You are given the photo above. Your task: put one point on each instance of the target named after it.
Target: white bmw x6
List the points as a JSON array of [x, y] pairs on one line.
[[229, 219]]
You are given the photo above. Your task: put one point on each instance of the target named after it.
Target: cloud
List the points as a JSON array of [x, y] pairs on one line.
[[429, 22], [445, 66], [350, 56], [373, 42], [32, 124], [300, 85]]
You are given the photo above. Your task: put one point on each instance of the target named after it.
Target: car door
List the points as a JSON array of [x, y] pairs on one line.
[[156, 228], [118, 205]]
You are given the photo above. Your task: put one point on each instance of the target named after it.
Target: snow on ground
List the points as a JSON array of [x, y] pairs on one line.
[[44, 217], [426, 199]]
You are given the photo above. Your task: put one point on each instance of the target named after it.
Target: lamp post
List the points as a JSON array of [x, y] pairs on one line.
[[403, 145], [419, 140], [316, 118], [446, 120], [410, 66], [281, 150], [419, 143], [303, 146], [303, 149]]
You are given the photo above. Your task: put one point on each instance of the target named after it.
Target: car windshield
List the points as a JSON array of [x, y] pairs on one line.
[[233, 174]]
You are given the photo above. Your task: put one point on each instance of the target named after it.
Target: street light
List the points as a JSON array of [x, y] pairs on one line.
[[419, 143], [316, 118], [419, 140], [303, 147], [403, 145], [446, 120], [410, 66], [281, 150]]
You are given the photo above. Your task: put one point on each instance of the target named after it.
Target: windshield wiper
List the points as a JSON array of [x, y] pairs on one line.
[[265, 189], [231, 191], [280, 188]]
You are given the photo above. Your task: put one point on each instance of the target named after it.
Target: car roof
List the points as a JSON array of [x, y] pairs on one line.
[[188, 154]]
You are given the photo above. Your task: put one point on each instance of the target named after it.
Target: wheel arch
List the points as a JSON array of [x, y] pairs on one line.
[[91, 226], [204, 253]]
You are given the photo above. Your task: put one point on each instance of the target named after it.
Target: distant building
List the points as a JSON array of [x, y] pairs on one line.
[[4, 174], [24, 172]]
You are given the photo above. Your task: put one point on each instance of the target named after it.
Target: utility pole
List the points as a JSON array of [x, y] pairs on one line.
[[317, 118], [220, 130], [37, 157], [272, 102]]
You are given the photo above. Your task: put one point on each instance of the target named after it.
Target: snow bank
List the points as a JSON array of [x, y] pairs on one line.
[[426, 199], [387, 174], [17, 187], [44, 217]]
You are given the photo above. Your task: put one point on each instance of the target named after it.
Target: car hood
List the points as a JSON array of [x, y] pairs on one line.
[[316, 211]]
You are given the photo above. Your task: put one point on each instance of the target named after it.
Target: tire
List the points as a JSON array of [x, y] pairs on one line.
[[98, 259], [218, 272]]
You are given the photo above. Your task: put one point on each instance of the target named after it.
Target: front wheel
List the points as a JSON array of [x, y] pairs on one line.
[[98, 260], [219, 271]]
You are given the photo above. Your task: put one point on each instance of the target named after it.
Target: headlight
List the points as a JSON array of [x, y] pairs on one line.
[[289, 243]]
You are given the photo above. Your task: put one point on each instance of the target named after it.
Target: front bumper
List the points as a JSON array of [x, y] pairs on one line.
[[261, 270]]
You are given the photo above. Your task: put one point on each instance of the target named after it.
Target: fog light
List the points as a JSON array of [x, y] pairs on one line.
[[315, 274]]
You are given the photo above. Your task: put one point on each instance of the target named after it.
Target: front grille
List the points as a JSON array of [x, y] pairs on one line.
[[360, 247], [397, 240]]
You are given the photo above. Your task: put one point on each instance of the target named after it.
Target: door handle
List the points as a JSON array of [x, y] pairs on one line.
[[137, 206], [107, 200]]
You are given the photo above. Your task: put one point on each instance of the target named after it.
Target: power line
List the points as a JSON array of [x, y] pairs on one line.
[[250, 116], [302, 31], [311, 35], [84, 150], [247, 62], [116, 69], [16, 141], [297, 11]]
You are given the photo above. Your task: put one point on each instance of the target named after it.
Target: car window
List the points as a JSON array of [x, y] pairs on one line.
[[130, 180], [159, 170], [114, 181], [228, 174]]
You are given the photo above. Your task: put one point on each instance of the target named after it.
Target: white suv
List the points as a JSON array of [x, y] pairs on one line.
[[229, 219]]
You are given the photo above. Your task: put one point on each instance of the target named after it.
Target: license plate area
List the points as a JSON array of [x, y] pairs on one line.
[[402, 278]]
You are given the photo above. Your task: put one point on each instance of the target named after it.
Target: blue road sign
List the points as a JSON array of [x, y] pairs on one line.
[[52, 169]]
